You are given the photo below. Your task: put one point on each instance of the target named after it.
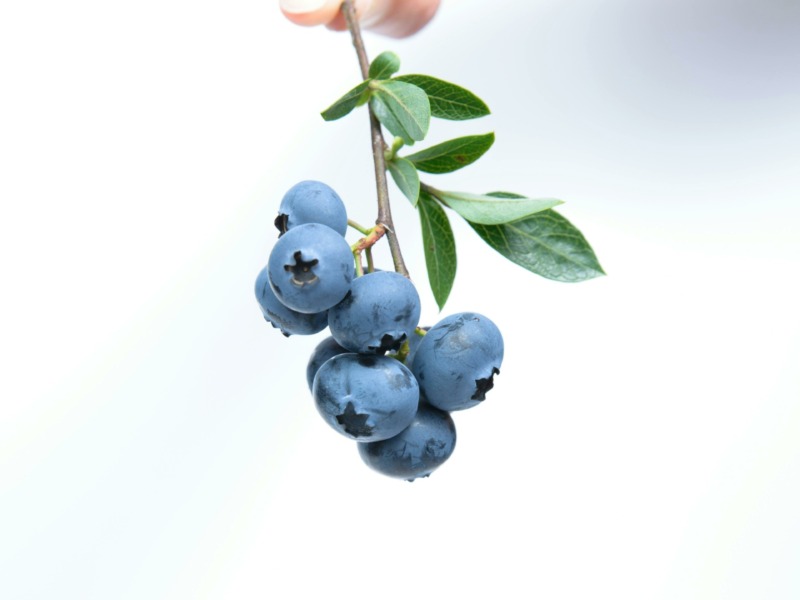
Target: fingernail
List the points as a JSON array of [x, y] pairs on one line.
[[301, 6]]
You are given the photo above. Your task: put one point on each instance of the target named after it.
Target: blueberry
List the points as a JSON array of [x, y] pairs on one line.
[[310, 268], [416, 451], [327, 348], [366, 397], [311, 202], [457, 360], [287, 320], [380, 312]]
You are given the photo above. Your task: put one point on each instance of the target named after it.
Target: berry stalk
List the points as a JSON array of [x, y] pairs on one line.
[[379, 147]]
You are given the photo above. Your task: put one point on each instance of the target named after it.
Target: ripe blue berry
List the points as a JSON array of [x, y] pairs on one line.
[[310, 268], [327, 348], [380, 312], [287, 320], [457, 360], [365, 397], [416, 451], [311, 202]]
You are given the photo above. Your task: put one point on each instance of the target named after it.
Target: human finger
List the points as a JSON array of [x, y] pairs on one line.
[[394, 18]]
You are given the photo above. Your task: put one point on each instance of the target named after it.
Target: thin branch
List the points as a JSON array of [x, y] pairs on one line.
[[384, 219]]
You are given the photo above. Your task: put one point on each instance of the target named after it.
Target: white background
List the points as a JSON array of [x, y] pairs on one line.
[[157, 438]]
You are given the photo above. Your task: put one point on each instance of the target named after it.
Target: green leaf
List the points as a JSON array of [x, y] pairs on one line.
[[452, 155], [546, 244], [406, 177], [348, 102], [440, 248], [384, 66], [402, 108], [448, 101], [485, 209]]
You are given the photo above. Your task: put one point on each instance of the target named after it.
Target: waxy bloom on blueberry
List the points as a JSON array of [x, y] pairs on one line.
[[418, 450], [366, 398], [379, 314], [311, 202], [310, 268], [289, 321], [457, 360], [326, 349]]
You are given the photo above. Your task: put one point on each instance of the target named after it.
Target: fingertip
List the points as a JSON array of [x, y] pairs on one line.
[[310, 12], [338, 23], [393, 18], [363, 8], [411, 16], [398, 18]]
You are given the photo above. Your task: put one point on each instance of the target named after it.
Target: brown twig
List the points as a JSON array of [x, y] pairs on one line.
[[384, 220]]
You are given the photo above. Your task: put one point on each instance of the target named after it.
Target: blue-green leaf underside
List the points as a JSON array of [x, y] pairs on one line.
[[486, 209], [347, 103], [440, 248], [402, 108], [406, 177], [448, 100], [452, 155]]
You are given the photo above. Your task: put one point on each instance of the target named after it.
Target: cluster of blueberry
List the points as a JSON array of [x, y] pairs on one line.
[[378, 379]]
